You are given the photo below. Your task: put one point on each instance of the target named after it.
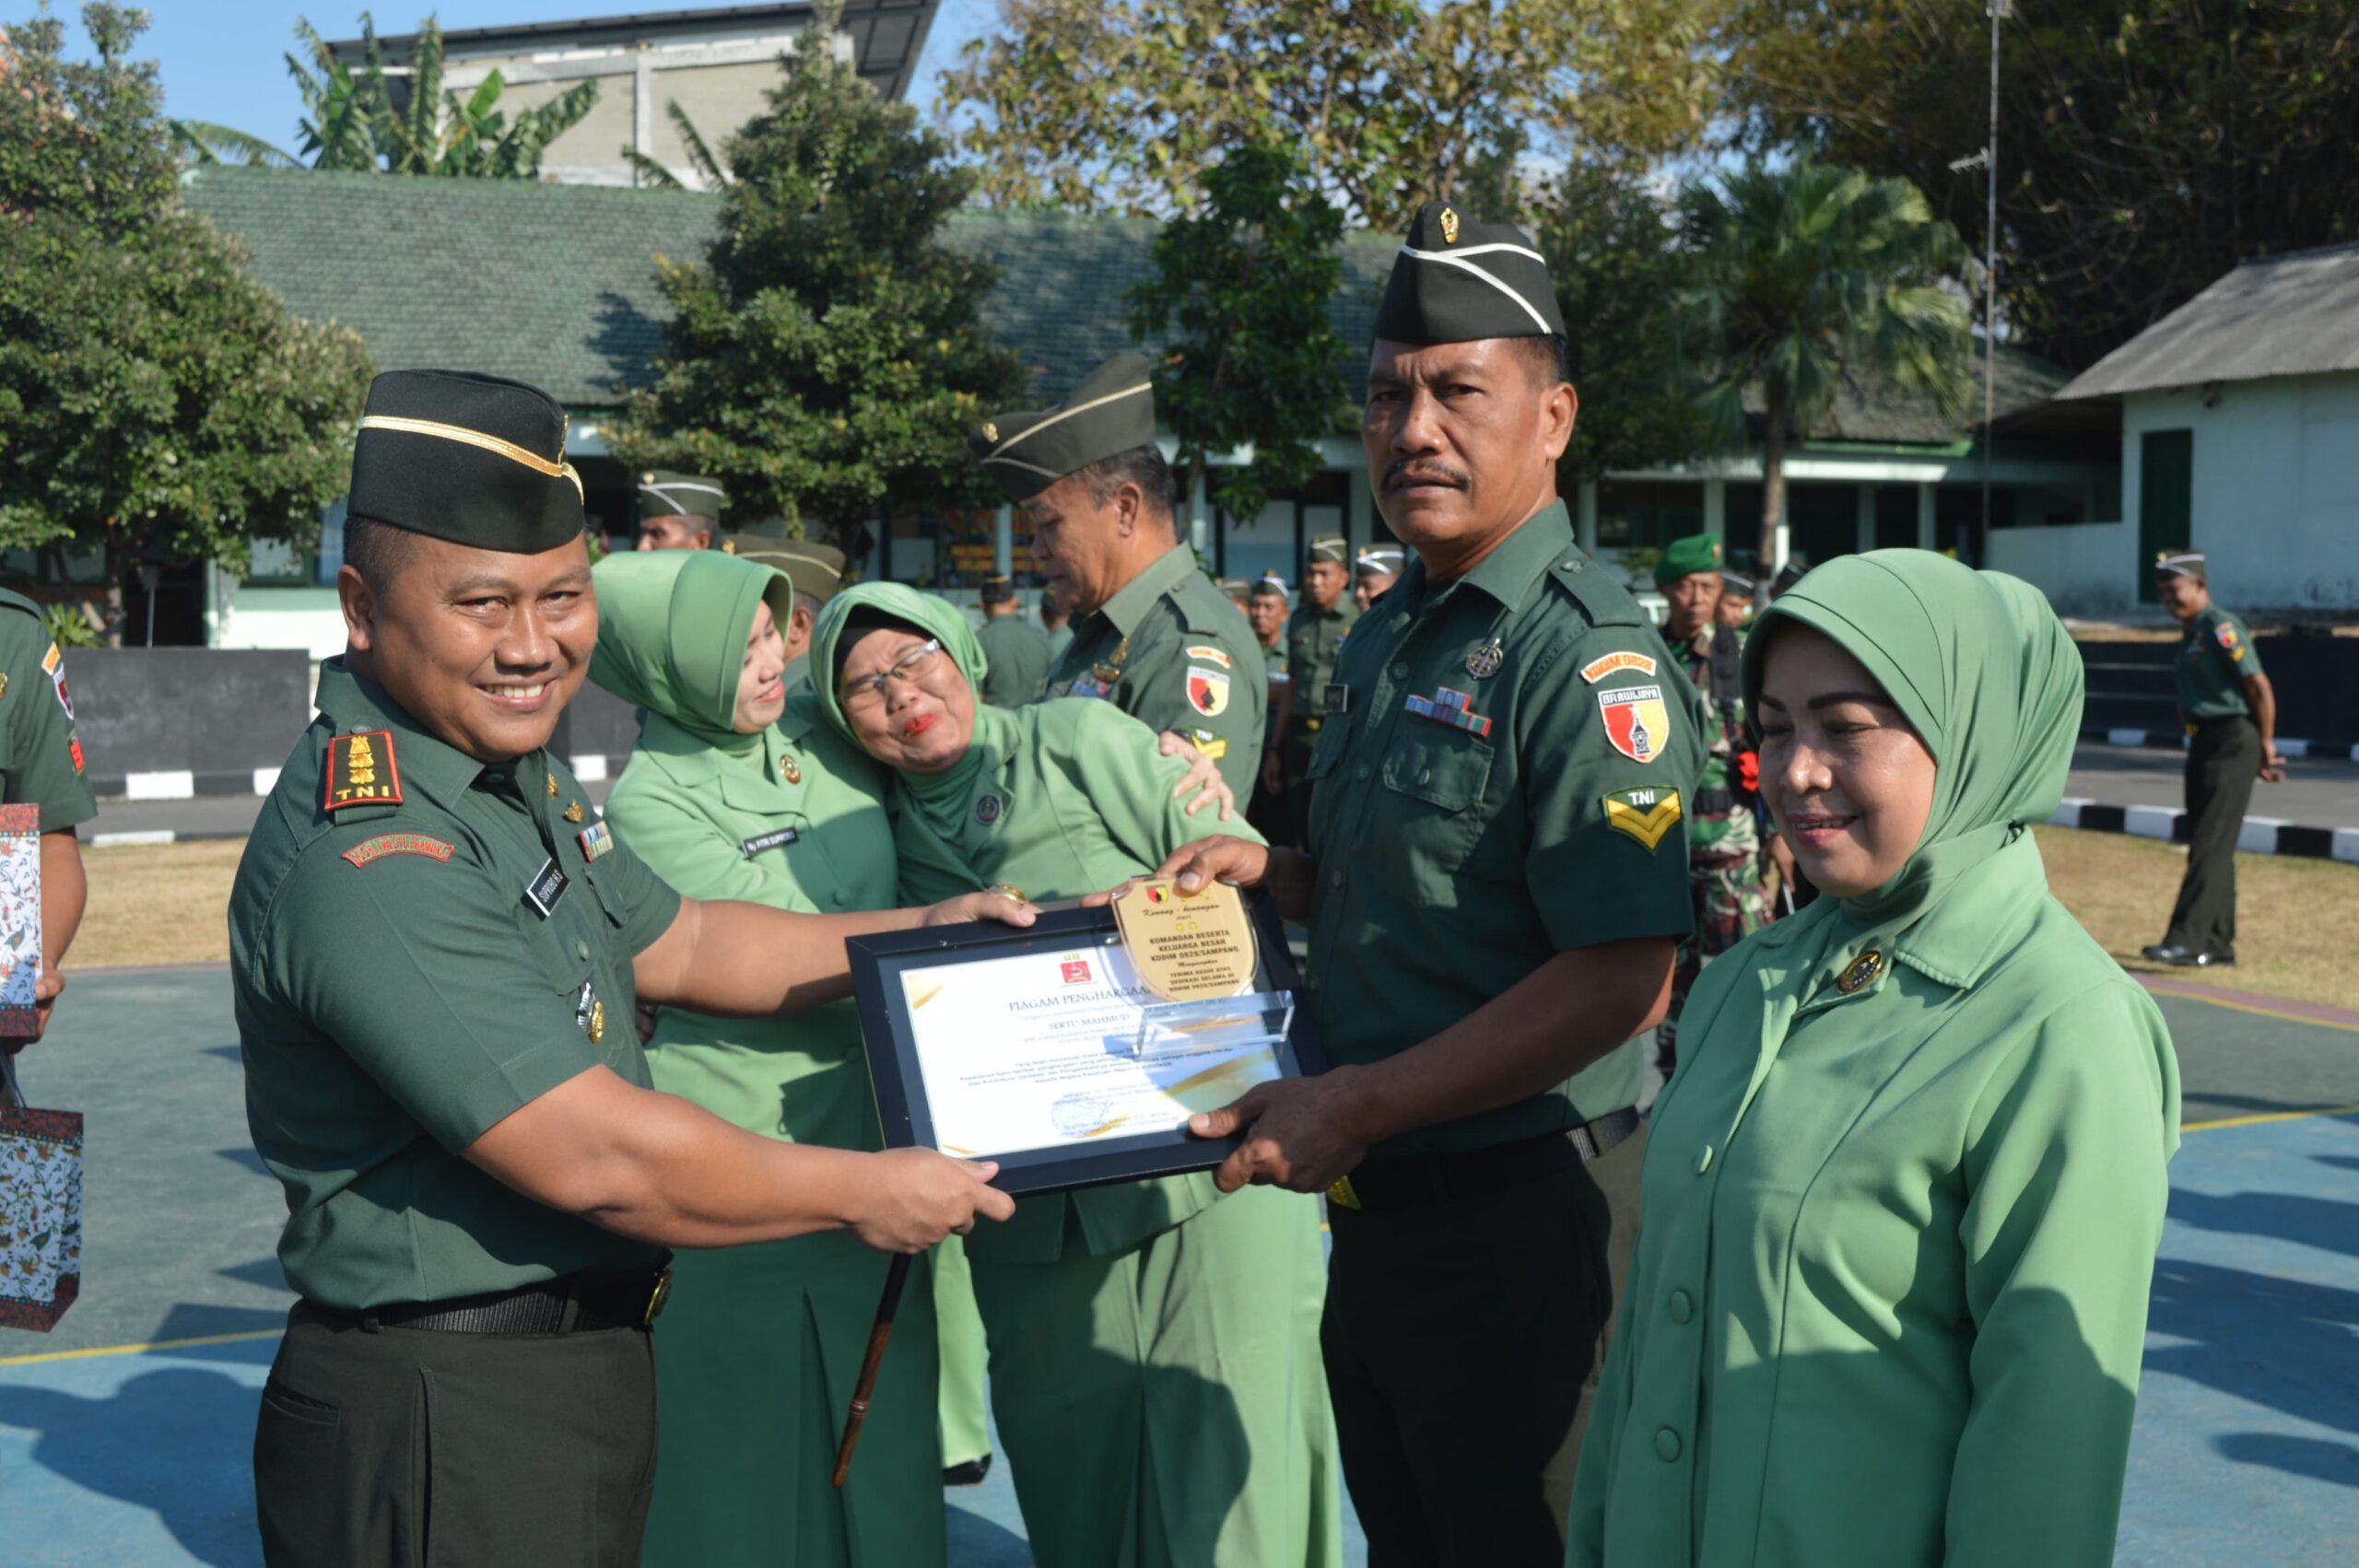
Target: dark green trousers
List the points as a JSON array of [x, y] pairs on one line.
[[406, 1447], [1460, 1339], [2223, 760]]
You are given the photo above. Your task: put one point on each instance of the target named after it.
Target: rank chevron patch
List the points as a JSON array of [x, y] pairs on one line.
[[1645, 815]]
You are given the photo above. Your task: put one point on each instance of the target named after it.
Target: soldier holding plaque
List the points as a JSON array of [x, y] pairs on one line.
[[1496, 887]]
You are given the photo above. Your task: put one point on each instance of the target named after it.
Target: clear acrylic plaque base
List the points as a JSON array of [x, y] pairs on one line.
[[1226, 1022]]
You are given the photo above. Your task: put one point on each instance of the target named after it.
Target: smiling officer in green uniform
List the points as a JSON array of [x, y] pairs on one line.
[[436, 950], [1496, 886], [1154, 637], [1314, 632]]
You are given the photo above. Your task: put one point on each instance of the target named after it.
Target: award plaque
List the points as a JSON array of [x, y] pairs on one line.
[[1073, 1051]]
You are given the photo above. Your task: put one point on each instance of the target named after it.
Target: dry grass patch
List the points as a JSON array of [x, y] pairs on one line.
[[156, 903], [2297, 920]]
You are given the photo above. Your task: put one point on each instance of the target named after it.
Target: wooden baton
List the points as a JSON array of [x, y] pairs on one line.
[[879, 1334]]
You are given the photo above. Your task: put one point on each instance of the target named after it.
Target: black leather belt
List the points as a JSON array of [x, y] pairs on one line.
[[632, 1298], [1418, 1181]]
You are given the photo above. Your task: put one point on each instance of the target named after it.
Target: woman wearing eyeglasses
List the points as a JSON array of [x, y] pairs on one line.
[[1154, 1345]]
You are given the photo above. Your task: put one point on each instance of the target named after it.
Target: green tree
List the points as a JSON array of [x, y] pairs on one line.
[[1807, 274], [1126, 106], [826, 359], [1246, 282], [352, 120], [1619, 268], [155, 401], [2145, 147]]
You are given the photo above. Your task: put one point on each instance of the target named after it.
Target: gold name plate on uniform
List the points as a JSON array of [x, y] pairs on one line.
[[1194, 948]]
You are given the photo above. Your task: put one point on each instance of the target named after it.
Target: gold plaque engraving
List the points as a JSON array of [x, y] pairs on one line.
[[1191, 949]]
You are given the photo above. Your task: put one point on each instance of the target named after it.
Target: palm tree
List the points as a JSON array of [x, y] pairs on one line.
[[1811, 276]]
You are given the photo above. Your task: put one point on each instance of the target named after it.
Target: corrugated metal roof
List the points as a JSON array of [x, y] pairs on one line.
[[2291, 315]]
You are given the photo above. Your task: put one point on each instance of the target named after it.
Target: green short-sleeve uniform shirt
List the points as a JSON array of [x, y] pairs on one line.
[[1017, 655], [41, 752], [420, 945], [2215, 656], [1313, 637], [1501, 776], [1171, 651]]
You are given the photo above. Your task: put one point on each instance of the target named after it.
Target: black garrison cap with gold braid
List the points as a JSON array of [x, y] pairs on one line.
[[1457, 281], [1113, 410], [476, 459]]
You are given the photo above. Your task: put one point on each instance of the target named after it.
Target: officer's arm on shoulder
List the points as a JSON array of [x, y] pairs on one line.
[[1608, 858], [1118, 766]]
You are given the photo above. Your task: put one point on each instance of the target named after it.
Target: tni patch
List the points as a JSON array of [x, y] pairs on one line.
[[361, 771], [1644, 814]]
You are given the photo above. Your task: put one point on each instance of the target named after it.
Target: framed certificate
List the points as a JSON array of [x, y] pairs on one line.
[[1035, 1047]]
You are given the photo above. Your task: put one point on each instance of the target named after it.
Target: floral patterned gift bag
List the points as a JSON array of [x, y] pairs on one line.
[[41, 1210]]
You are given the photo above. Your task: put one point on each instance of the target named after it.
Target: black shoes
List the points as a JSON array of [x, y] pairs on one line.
[[970, 1473], [2187, 958]]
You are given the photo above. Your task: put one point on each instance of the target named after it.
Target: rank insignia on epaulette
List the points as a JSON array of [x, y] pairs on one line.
[[1644, 814], [361, 772], [596, 839]]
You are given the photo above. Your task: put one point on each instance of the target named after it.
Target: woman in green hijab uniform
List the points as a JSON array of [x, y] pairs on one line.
[[1903, 1193], [738, 791], [1153, 1346]]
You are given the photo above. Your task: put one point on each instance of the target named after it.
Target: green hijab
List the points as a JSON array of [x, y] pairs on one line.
[[939, 798], [1981, 667], [672, 631]]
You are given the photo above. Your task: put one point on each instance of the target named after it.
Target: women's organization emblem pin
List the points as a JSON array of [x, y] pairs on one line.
[[1863, 970], [988, 810]]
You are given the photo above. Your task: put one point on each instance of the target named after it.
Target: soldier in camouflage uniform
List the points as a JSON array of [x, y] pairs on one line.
[[1723, 832]]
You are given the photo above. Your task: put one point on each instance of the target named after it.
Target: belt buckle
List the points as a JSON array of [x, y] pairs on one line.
[[657, 1297], [1341, 1191]]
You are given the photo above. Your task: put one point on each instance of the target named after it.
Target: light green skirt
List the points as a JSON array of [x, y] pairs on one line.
[[1165, 1406], [756, 1357]]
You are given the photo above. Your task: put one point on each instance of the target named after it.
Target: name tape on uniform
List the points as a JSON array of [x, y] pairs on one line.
[[777, 838]]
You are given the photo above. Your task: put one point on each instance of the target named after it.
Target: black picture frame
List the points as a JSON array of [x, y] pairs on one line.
[[879, 962]]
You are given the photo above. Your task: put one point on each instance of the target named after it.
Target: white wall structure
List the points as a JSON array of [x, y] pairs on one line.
[[2090, 569]]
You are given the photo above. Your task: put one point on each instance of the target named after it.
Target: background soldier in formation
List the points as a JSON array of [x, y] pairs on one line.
[[1155, 638], [1377, 570], [2230, 711], [815, 571], [1016, 654], [1723, 831], [679, 511], [1505, 730], [435, 951], [1314, 632]]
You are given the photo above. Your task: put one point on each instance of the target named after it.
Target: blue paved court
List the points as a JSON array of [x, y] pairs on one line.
[[2248, 1437]]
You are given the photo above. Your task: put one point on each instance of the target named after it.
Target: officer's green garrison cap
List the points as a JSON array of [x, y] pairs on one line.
[[1457, 281], [1111, 411], [816, 570], [476, 459], [663, 493], [1696, 552]]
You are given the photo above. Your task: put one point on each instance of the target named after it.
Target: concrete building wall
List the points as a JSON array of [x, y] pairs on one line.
[[2088, 569], [2274, 493]]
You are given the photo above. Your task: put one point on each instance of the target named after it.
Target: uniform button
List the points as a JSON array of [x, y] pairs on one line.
[[1682, 1306], [581, 951], [1334, 879], [1400, 671], [836, 895], [1425, 776], [1666, 1445], [1360, 773], [1704, 1163]]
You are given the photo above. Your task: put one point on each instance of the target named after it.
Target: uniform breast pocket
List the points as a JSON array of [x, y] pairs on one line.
[[1333, 736], [1432, 809]]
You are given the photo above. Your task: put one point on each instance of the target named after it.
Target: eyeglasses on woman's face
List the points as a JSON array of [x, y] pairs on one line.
[[870, 691]]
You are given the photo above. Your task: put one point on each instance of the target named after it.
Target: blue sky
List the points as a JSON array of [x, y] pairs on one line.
[[222, 59]]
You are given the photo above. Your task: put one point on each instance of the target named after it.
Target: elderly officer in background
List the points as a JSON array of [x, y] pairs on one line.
[[679, 511], [1496, 887], [815, 571], [1723, 833], [435, 952], [1376, 570], [1314, 632], [1155, 638], [1016, 654], [2230, 711]]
